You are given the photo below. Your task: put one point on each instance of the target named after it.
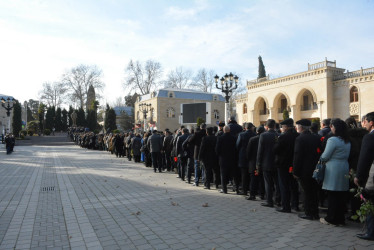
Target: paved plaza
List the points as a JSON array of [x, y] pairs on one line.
[[60, 196]]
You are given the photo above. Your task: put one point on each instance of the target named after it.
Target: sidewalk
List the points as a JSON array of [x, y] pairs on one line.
[[64, 197]]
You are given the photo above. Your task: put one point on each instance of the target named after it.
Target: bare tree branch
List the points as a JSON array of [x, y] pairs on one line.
[[203, 80], [178, 78], [142, 79], [53, 93], [79, 79]]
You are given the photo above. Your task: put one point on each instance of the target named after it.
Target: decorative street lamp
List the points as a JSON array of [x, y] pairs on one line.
[[8, 108], [143, 107], [227, 86]]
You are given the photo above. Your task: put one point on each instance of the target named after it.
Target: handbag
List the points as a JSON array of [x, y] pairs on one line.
[[319, 171]]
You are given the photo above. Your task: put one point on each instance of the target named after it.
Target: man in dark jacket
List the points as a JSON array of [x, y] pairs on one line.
[[257, 179], [167, 147], [235, 174], [136, 144], [182, 158], [241, 147], [305, 160], [195, 140], [365, 172], [284, 150], [325, 127], [225, 149], [208, 155], [189, 149], [155, 145], [266, 161], [220, 130]]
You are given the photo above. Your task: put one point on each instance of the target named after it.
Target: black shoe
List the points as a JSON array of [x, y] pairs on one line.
[[282, 210], [206, 187], [223, 192], [305, 217], [241, 193], [297, 209], [262, 197], [365, 237], [250, 198], [278, 204], [267, 205]]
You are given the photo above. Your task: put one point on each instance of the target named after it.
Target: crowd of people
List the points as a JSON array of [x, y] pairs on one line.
[[273, 163], [10, 142]]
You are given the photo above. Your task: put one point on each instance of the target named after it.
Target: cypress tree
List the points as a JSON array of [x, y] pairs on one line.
[[58, 120], [49, 118], [81, 118], [110, 119], [41, 111], [17, 118], [261, 68]]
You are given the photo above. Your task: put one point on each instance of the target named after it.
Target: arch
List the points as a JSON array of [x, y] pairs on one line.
[[245, 109], [170, 112], [353, 94], [306, 99], [261, 105], [281, 102], [171, 94]]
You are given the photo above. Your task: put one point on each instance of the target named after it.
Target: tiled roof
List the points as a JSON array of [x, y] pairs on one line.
[[6, 96], [120, 109], [184, 94]]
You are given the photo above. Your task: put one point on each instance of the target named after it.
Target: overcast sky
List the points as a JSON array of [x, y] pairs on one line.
[[41, 39]]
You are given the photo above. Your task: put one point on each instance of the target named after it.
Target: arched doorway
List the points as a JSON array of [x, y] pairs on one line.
[[261, 111], [281, 104]]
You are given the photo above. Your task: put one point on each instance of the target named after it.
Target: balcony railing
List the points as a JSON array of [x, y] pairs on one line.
[[312, 106], [280, 110], [264, 112]]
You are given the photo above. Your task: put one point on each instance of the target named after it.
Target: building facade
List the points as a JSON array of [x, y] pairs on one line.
[[165, 107], [323, 91]]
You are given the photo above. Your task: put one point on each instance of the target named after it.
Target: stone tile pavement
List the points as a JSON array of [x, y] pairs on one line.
[[66, 197]]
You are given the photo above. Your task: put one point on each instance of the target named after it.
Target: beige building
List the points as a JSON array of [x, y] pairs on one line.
[[166, 108], [323, 91]]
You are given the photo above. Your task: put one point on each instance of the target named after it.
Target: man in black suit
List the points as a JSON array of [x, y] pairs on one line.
[[182, 158], [195, 140], [305, 159], [241, 146], [225, 149], [266, 161], [365, 172], [257, 180], [284, 150], [208, 156]]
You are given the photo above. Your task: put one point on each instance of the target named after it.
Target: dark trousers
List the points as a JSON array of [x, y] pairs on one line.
[[370, 225], [198, 172], [156, 161], [336, 208], [257, 186], [182, 167], [310, 188], [190, 168], [217, 175], [168, 161], [225, 174], [129, 154], [245, 179], [208, 174], [285, 180], [236, 176], [271, 184], [163, 161], [137, 158]]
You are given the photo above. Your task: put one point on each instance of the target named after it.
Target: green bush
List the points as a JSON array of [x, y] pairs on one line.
[[116, 131], [30, 132], [47, 131]]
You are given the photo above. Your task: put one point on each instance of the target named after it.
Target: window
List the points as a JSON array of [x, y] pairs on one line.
[[170, 113], [215, 98], [244, 108], [171, 95], [354, 94], [216, 114]]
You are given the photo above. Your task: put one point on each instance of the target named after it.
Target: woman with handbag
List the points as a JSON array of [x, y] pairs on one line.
[[337, 169]]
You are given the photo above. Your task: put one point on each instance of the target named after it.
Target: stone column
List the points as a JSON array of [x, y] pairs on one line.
[[293, 113]]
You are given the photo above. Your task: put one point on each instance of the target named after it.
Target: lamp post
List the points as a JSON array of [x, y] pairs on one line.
[[8, 108], [227, 86], [143, 107], [26, 108]]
